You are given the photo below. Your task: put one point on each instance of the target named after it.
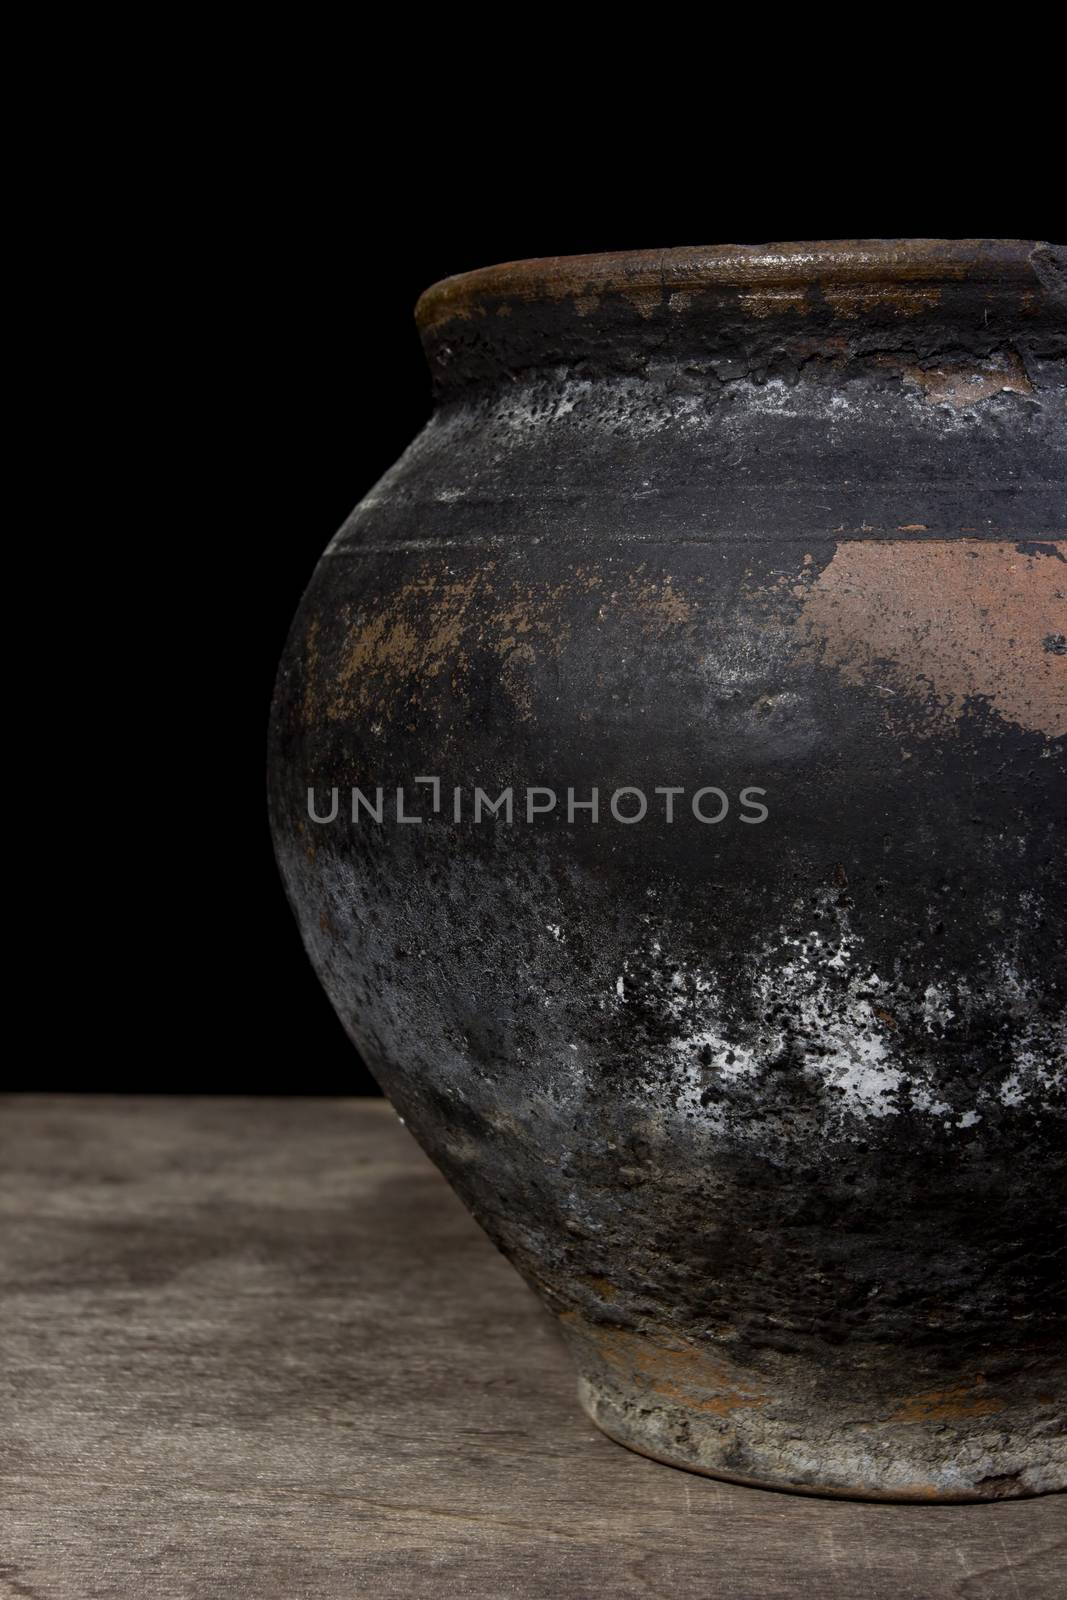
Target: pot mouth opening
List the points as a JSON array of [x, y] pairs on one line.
[[759, 269]]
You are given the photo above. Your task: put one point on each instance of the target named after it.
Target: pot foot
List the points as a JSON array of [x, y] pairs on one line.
[[841, 1432]]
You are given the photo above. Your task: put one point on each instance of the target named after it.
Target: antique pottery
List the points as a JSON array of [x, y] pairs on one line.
[[766, 1100]]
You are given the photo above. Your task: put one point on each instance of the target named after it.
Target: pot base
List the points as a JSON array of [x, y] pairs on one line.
[[787, 1428]]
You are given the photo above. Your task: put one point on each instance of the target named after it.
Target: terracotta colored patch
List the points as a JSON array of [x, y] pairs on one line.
[[645, 300], [410, 638], [404, 645], [681, 1374], [902, 300], [311, 670], [772, 302], [658, 599], [946, 622], [949, 1405], [963, 384]]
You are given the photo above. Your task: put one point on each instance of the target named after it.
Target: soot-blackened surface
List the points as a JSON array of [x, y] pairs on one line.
[[793, 1088]]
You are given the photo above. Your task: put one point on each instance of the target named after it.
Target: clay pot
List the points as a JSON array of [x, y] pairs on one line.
[[770, 1109]]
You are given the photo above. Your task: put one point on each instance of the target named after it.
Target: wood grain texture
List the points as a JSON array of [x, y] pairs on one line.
[[258, 1349]]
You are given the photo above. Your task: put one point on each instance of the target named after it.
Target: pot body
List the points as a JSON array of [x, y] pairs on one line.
[[768, 1108]]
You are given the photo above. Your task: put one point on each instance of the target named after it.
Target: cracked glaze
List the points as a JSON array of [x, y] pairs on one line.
[[772, 1116]]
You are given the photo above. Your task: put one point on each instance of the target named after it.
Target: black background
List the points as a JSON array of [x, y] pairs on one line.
[[294, 282]]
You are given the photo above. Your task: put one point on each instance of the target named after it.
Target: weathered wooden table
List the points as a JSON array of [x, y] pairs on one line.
[[257, 1349]]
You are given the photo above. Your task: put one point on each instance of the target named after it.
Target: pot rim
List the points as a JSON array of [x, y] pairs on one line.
[[734, 266]]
